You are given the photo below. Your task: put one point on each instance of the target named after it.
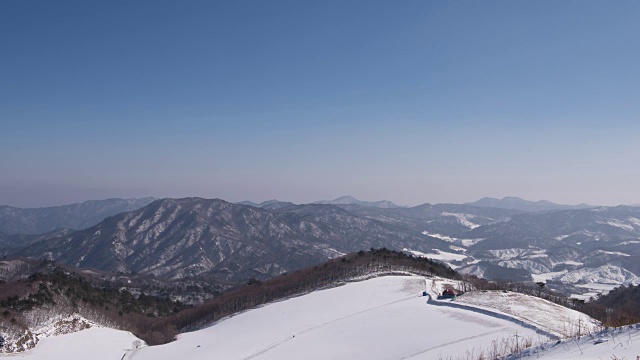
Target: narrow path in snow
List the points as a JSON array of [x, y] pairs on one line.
[[131, 352], [451, 343]]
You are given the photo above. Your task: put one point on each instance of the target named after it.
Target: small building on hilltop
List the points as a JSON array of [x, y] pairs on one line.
[[448, 294]]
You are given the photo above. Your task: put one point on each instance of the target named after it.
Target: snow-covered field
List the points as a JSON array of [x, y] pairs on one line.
[[620, 343], [380, 318], [95, 344], [543, 314], [442, 256], [463, 219]]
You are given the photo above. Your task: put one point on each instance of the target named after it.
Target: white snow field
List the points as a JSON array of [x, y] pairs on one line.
[[94, 344], [379, 318], [442, 256], [610, 344], [545, 315]]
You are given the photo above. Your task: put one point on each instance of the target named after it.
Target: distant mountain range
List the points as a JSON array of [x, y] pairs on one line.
[[265, 204], [517, 203], [15, 220], [591, 248], [226, 242], [343, 200], [179, 238], [509, 202], [350, 200]]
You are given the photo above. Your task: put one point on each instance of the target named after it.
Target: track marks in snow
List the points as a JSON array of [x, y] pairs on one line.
[[269, 347], [310, 329], [452, 342]]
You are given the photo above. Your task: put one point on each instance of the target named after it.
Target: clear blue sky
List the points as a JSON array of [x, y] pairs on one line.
[[410, 101]]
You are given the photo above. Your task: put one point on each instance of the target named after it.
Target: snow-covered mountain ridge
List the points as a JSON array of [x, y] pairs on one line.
[[575, 251], [181, 238]]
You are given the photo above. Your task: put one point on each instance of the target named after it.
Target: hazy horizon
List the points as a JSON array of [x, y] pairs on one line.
[[300, 202], [411, 102]]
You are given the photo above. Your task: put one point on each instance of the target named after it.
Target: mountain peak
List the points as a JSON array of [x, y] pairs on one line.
[[516, 203], [350, 200], [346, 198], [265, 204]]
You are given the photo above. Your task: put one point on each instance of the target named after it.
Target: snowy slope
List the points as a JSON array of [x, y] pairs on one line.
[[463, 219], [380, 318], [620, 343], [442, 256], [94, 343], [544, 314], [552, 319]]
